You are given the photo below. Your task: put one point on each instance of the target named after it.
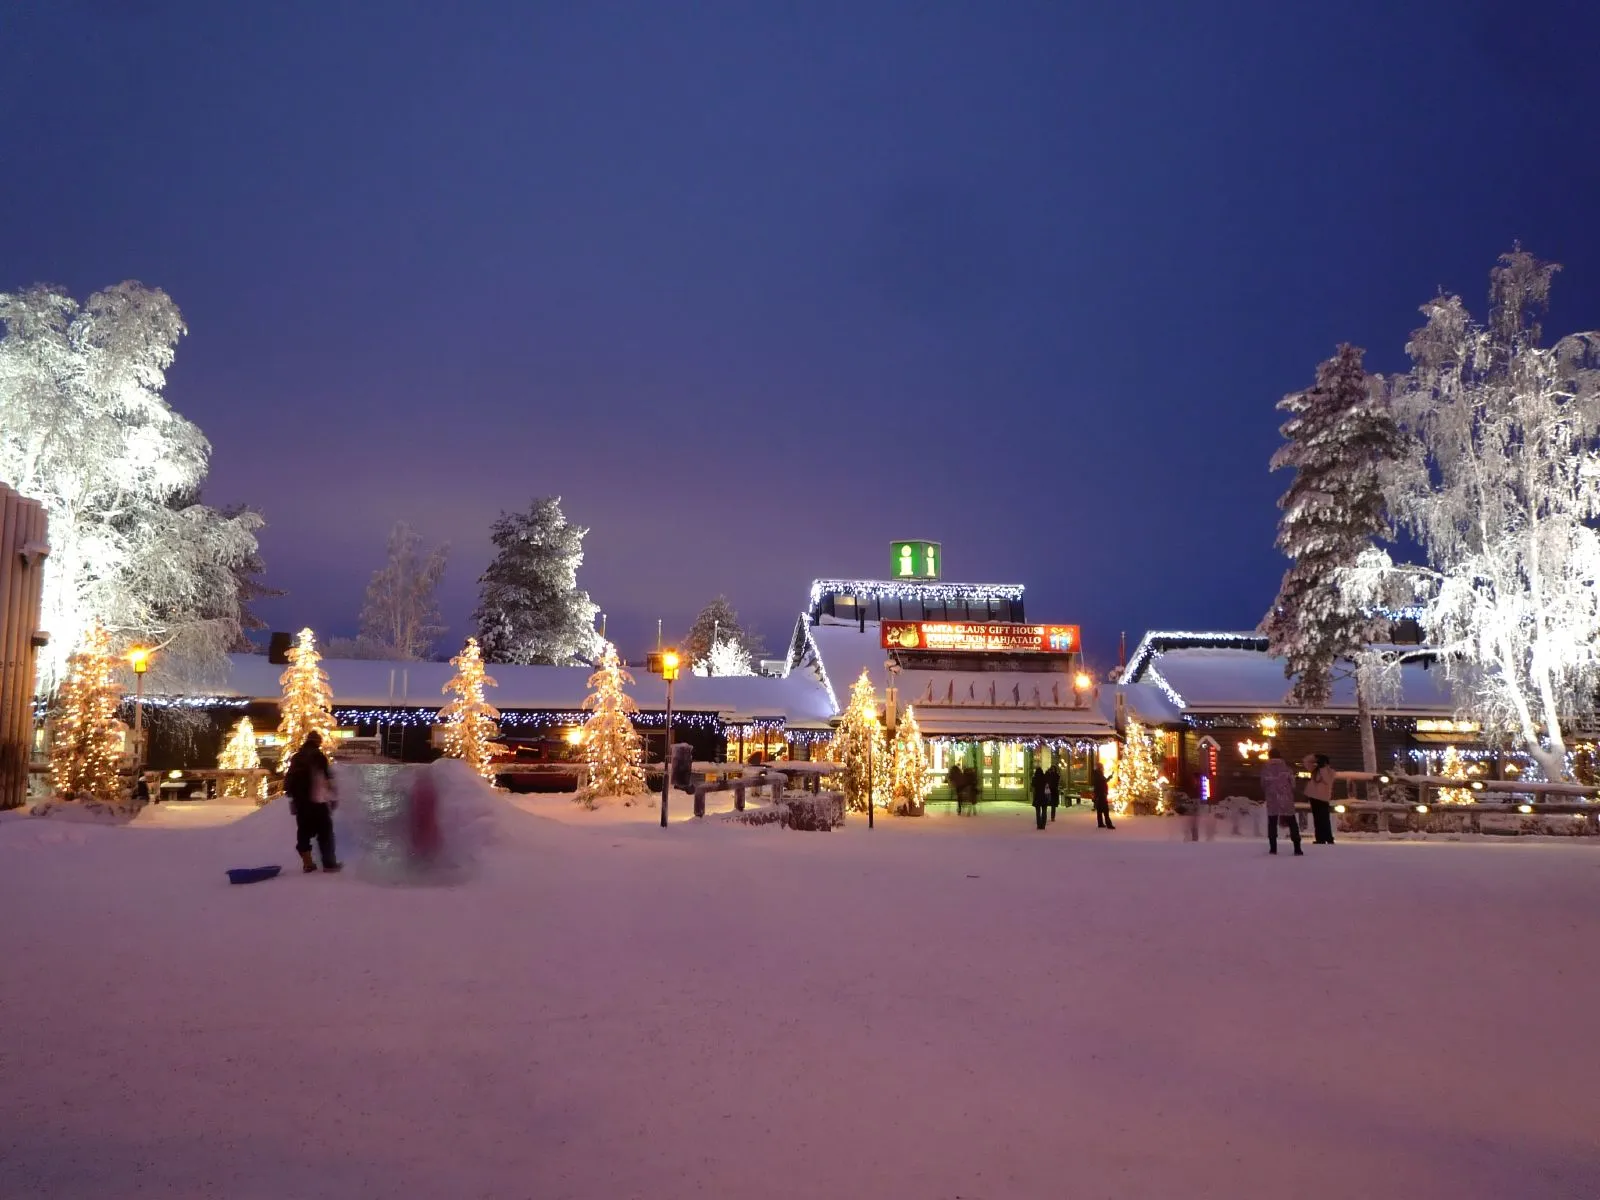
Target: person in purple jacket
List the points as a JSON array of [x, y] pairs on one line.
[[1277, 785]]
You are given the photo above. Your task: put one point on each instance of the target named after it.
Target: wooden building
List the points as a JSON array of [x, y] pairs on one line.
[[1225, 687]]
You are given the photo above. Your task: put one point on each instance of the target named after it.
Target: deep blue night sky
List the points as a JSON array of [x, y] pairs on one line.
[[757, 287]]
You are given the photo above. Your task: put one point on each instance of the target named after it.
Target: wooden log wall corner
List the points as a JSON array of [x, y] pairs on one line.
[[23, 547]]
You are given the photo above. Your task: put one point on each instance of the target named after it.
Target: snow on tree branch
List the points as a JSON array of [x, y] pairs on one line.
[[84, 429], [1501, 489]]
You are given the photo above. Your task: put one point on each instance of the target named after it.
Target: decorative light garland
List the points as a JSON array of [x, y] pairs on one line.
[[1159, 641], [1253, 721], [798, 655], [1171, 693], [529, 718], [1037, 743], [231, 703], [888, 589]]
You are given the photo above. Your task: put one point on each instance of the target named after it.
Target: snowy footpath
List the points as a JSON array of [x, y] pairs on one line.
[[937, 1009]]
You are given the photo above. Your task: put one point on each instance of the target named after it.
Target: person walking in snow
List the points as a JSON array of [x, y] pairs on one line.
[[1277, 785], [1101, 792], [1052, 783], [958, 786], [1319, 794], [309, 785], [1041, 796]]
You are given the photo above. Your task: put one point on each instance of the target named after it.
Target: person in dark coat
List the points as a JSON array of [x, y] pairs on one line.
[[141, 792], [1041, 796], [1277, 785], [1052, 783], [1101, 788], [957, 778], [309, 785]]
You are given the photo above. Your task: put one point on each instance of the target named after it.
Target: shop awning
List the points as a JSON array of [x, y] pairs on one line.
[[1012, 724]]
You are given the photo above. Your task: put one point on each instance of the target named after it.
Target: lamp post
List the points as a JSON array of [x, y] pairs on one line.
[[669, 672], [139, 657]]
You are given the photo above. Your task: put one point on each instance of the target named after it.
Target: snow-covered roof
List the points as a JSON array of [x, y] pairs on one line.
[[1233, 680], [1000, 705], [360, 683]]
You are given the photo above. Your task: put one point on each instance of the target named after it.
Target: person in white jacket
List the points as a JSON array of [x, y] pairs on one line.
[[1319, 793]]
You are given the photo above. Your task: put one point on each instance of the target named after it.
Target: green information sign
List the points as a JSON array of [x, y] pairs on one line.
[[915, 560]]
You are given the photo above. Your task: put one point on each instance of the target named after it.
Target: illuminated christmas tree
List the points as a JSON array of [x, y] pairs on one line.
[[858, 747], [610, 743], [1138, 786], [909, 773], [87, 740], [470, 721], [239, 754], [307, 701], [1455, 767]]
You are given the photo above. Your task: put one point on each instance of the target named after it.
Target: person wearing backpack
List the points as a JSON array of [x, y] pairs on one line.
[[309, 785]]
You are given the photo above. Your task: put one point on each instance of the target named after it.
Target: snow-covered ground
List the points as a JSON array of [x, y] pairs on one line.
[[945, 1008]]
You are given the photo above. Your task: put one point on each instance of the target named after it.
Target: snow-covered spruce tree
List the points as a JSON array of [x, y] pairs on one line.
[[239, 754], [307, 701], [858, 747], [400, 616], [470, 721], [1501, 491], [1339, 441], [530, 608], [727, 657], [86, 736], [1138, 786], [611, 746], [715, 627], [84, 429], [910, 776]]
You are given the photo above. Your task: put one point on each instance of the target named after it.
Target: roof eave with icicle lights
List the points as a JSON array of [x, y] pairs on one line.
[[1158, 642], [906, 589]]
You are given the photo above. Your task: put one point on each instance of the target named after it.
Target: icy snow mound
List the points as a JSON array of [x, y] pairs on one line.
[[86, 812]]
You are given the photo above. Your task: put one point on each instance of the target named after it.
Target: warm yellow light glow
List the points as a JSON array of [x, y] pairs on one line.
[[1383, 779], [669, 660], [574, 737], [307, 701], [470, 722], [1269, 726], [1524, 808], [1081, 681], [1422, 808], [87, 740], [140, 658], [1339, 808]]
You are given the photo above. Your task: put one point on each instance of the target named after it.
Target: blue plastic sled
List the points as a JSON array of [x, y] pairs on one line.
[[252, 874]]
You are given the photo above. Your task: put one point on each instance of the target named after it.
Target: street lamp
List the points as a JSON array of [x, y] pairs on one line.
[[669, 672], [139, 659]]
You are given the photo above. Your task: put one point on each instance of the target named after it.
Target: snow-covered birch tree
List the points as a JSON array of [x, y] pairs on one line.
[[1339, 441], [84, 429], [401, 614], [1501, 490], [531, 609]]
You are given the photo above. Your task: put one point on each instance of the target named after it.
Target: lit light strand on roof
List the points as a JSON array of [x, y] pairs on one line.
[[889, 589]]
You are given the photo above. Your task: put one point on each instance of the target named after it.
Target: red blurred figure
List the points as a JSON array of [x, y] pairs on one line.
[[424, 818]]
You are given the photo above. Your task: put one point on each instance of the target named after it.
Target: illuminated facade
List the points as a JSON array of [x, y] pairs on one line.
[[992, 693]]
